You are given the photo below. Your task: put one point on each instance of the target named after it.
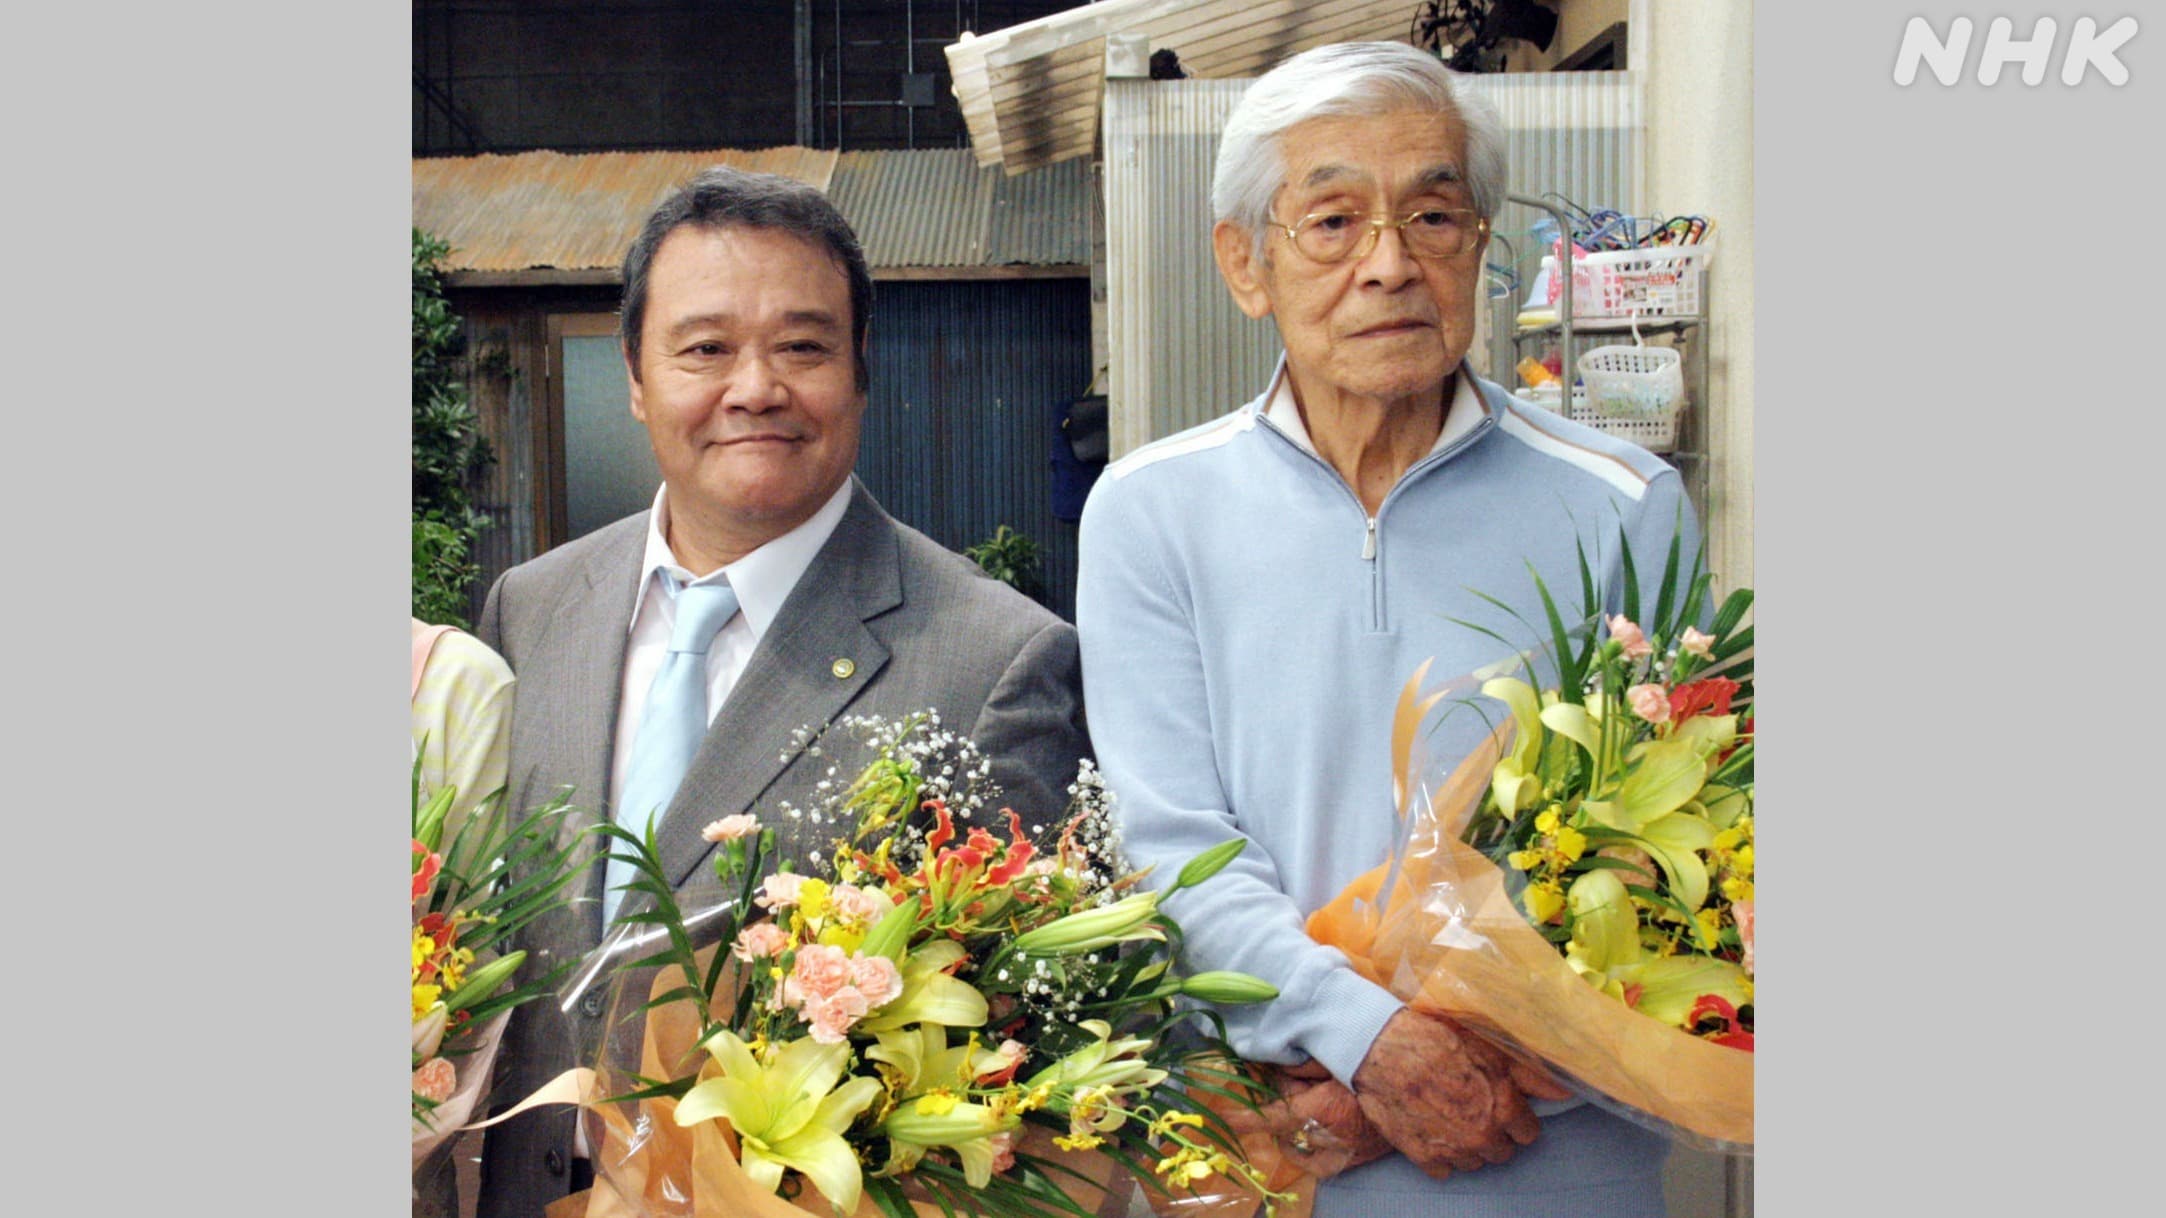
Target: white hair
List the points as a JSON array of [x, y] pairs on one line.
[[1346, 78]]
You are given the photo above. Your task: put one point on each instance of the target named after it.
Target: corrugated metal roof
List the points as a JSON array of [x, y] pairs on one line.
[[537, 210], [923, 208], [938, 208], [1040, 216], [1030, 93]]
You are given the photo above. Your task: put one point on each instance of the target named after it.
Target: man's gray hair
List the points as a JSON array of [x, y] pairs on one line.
[[1346, 78], [723, 197]]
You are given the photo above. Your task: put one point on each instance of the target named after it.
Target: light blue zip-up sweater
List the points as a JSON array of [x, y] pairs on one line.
[[1246, 628]]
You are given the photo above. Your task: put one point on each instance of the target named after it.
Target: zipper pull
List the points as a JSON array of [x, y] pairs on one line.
[[1368, 543]]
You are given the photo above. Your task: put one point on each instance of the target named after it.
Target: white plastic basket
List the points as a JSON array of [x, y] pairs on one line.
[[1637, 382], [1656, 281], [1655, 433]]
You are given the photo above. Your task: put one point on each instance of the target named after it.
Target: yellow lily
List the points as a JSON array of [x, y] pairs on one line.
[[930, 995], [928, 1075], [1516, 783], [1105, 1062], [1670, 985], [787, 1111], [1710, 734], [1605, 929], [1665, 774], [1724, 804]]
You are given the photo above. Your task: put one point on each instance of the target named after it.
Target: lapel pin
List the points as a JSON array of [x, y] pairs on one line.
[[842, 668]]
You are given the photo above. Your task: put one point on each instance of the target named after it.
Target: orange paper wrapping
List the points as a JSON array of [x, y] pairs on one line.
[[1450, 940], [673, 1172]]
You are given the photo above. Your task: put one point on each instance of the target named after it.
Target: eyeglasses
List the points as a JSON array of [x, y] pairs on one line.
[[1434, 232]]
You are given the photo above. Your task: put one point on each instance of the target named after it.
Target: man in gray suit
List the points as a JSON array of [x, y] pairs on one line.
[[746, 303]]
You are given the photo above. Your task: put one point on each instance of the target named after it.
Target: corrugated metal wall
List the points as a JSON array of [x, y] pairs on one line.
[[1181, 352], [968, 378]]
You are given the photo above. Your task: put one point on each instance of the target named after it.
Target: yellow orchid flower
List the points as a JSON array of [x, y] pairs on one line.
[[787, 1111]]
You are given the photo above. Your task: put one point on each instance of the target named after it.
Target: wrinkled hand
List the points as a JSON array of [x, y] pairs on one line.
[[1317, 1122], [1445, 1098]]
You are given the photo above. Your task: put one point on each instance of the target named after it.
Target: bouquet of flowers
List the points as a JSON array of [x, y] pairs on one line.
[[946, 1013], [1581, 887], [470, 896]]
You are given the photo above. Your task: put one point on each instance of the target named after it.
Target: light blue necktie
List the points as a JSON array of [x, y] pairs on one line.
[[671, 727]]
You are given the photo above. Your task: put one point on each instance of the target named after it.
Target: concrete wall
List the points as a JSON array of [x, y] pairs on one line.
[[1698, 56]]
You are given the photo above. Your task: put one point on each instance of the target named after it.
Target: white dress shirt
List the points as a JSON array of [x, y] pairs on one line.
[[762, 579]]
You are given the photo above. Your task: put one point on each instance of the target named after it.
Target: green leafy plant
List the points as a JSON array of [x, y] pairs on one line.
[[473, 889], [1010, 557], [449, 449]]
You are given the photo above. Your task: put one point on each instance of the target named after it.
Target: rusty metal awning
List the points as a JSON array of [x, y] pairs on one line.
[[549, 217]]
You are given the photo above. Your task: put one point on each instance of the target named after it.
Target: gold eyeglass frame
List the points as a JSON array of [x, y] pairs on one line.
[[1376, 226]]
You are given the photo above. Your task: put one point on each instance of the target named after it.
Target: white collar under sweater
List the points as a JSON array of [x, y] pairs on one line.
[[1461, 415]]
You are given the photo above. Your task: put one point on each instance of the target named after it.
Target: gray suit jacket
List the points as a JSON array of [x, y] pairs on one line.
[[921, 626]]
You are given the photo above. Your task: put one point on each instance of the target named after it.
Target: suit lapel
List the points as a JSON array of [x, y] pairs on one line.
[[816, 657], [587, 637]]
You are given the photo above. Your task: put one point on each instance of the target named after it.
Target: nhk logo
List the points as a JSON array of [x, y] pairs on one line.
[[2088, 47]]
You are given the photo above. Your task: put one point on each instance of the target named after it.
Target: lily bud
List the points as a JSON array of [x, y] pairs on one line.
[[429, 822], [960, 1123], [1208, 864], [891, 934], [1228, 987], [429, 1031], [1090, 929], [483, 981]]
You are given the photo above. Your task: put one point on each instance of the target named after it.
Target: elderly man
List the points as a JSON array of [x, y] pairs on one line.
[[1254, 592], [667, 663]]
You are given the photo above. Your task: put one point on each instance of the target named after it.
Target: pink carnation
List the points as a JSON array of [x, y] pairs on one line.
[[877, 978], [1630, 637], [1003, 1144], [760, 941], [1742, 911], [820, 971], [435, 1079], [1693, 642], [833, 1016], [1650, 702], [779, 891], [854, 904], [730, 828]]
